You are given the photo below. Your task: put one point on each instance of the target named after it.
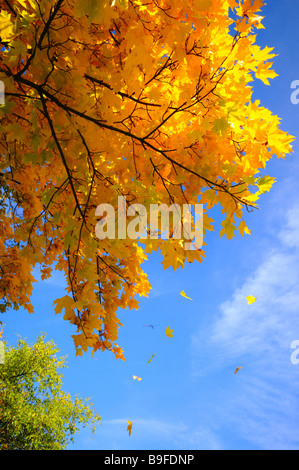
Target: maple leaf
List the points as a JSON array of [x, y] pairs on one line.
[[251, 299], [228, 228], [265, 184], [264, 73], [6, 25], [243, 228], [183, 294], [66, 303], [220, 126], [129, 428], [169, 332]]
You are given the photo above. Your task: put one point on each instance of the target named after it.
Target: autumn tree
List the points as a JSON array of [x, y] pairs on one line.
[[35, 413], [148, 100]]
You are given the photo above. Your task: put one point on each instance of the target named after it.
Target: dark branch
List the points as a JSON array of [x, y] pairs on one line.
[[10, 7], [61, 153]]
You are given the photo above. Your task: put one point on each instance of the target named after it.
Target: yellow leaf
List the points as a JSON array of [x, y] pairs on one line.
[[264, 72], [228, 228], [79, 352], [183, 294], [129, 428], [251, 299], [168, 332], [265, 183], [6, 25], [121, 3], [243, 228], [220, 126], [65, 302]]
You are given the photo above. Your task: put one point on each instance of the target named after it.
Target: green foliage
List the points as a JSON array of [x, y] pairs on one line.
[[35, 413]]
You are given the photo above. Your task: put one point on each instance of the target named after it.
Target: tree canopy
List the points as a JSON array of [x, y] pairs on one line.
[[35, 413], [150, 100]]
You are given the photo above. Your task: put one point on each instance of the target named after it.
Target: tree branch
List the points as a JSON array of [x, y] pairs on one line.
[[61, 153], [10, 7]]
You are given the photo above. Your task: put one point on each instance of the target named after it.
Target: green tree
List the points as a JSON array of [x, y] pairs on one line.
[[35, 413]]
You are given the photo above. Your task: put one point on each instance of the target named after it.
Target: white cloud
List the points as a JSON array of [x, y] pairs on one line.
[[289, 235], [264, 405]]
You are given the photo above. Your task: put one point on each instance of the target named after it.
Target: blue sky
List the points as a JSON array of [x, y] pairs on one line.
[[189, 397]]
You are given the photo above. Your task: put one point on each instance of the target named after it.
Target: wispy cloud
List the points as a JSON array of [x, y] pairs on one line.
[[148, 433], [264, 406]]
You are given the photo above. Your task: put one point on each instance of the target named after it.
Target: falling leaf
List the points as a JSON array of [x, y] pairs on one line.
[[183, 294], [237, 370], [251, 299], [136, 377], [129, 428], [168, 332], [151, 358]]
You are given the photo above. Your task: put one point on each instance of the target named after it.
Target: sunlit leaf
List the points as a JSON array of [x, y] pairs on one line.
[[169, 332], [129, 428], [251, 299], [183, 294]]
